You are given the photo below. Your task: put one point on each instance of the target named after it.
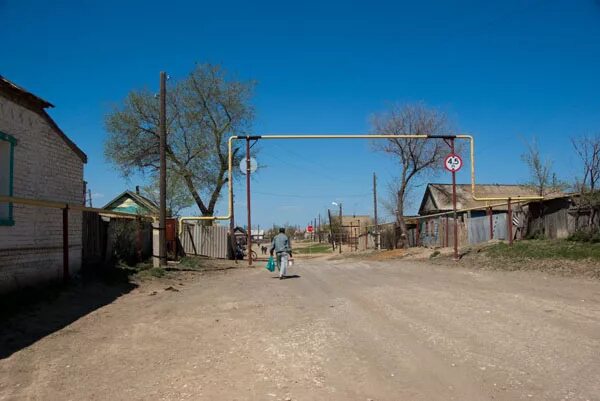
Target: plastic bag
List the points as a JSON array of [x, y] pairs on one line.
[[270, 264]]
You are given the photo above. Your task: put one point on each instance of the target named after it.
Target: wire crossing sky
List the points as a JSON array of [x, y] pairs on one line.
[[502, 71]]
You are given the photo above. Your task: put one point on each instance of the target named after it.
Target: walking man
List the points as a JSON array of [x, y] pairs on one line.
[[283, 249]]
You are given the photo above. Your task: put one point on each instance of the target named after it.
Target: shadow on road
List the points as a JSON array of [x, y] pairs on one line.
[[30, 315], [290, 276]]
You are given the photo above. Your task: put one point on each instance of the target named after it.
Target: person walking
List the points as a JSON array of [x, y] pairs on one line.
[[282, 247]]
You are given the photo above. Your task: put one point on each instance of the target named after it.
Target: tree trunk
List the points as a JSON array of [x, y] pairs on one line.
[[403, 240]]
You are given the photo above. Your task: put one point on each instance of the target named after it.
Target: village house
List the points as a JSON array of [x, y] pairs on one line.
[[134, 203], [37, 161], [480, 220], [438, 198]]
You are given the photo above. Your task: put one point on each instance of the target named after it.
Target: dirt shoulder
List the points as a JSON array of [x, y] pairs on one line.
[[554, 257]]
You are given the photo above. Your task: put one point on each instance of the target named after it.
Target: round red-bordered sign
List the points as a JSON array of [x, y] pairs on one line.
[[453, 163]]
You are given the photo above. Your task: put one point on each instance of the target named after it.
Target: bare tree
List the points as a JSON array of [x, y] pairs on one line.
[[588, 149], [389, 201], [203, 110], [542, 180], [417, 157]]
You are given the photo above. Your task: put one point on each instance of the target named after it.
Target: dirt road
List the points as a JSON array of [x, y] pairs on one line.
[[343, 330]]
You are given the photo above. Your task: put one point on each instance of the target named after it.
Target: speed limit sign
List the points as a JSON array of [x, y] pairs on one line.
[[453, 163]]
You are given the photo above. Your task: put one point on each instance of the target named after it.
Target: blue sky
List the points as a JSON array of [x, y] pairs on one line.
[[504, 71]]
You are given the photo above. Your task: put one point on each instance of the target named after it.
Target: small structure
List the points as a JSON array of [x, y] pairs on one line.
[[240, 236], [132, 202], [37, 160]]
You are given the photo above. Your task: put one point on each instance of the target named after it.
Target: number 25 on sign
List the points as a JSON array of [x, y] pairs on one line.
[[453, 163]]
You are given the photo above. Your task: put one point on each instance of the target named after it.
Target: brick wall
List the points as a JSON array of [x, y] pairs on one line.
[[44, 168]]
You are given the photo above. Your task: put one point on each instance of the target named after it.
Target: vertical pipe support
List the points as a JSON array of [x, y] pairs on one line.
[[454, 206]]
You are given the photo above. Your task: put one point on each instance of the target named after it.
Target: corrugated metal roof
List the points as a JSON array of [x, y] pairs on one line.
[[438, 197]]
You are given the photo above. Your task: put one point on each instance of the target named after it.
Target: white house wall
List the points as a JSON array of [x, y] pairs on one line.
[[44, 168]]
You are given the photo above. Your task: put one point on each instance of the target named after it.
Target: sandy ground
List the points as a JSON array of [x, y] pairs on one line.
[[341, 330]]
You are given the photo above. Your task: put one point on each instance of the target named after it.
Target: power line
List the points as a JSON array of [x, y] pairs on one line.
[[308, 166], [313, 196]]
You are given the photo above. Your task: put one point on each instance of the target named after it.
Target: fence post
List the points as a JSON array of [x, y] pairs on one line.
[[417, 232], [139, 238], [446, 232], [509, 222], [491, 223], [65, 221]]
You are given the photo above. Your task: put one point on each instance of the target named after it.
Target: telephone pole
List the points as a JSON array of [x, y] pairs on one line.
[[162, 222], [331, 238], [341, 229], [249, 241], [375, 211], [319, 228]]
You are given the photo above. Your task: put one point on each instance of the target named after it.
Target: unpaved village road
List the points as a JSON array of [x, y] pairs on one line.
[[343, 330]]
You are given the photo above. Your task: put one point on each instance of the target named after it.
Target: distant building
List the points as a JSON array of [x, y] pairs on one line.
[[132, 202], [356, 221], [37, 160], [257, 235]]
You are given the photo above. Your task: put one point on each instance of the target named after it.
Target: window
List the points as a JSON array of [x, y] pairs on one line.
[[7, 144]]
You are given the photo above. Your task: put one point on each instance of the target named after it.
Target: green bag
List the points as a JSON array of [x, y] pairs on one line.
[[270, 264]]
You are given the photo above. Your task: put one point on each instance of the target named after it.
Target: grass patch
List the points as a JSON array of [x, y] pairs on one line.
[[142, 270], [434, 254], [545, 249], [316, 248]]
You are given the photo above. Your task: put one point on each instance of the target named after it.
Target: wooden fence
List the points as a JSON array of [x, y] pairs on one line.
[[108, 239], [200, 240]]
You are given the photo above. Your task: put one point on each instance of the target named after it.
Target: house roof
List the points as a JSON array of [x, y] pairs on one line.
[[137, 198], [19, 95], [441, 195]]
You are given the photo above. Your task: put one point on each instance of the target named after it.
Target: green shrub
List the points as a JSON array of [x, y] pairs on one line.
[[592, 236]]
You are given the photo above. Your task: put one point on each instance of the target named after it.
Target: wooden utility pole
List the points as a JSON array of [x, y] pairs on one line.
[[331, 231], [162, 220], [375, 211], [341, 229], [248, 201], [319, 229]]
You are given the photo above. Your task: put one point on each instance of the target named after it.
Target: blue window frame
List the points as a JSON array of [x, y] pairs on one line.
[[7, 154]]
